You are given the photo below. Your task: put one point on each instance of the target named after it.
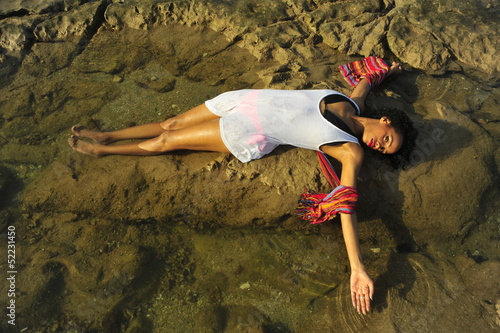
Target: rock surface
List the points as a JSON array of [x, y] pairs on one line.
[[160, 244]]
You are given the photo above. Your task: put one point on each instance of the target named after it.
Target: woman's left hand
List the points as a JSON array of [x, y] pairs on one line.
[[361, 290]]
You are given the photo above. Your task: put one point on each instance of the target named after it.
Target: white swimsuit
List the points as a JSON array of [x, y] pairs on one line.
[[254, 122]]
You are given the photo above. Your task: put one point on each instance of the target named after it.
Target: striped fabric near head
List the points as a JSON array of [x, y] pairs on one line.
[[373, 69]]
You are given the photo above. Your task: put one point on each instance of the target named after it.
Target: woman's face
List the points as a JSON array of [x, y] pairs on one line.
[[381, 136]]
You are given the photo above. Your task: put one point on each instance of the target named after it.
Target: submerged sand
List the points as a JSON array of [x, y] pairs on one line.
[[199, 242]]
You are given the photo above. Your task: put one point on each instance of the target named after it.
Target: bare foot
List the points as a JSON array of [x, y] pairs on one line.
[[395, 69], [84, 147], [96, 136]]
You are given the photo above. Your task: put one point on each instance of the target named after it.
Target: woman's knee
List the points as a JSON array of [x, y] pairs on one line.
[[170, 124], [159, 144]]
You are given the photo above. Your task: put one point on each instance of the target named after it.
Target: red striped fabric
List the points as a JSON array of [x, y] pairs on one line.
[[320, 207], [373, 69]]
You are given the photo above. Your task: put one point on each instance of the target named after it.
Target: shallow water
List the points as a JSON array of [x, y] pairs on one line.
[[89, 261]]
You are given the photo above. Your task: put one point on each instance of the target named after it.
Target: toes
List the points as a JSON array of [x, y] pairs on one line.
[[73, 141], [77, 128], [81, 146]]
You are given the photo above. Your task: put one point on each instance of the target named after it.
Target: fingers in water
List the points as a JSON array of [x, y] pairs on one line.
[[362, 303], [353, 299]]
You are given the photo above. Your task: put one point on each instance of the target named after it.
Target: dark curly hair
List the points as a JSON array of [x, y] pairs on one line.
[[403, 126]]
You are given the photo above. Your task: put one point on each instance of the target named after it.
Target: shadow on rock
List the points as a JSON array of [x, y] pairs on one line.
[[10, 186]]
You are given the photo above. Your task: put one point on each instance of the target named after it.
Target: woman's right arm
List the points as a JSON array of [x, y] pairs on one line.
[[362, 288]]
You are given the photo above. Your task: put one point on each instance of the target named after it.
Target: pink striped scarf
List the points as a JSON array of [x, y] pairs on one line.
[[321, 207], [373, 69]]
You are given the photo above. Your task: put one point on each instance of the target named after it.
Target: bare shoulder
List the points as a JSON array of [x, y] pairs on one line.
[[348, 152], [351, 156]]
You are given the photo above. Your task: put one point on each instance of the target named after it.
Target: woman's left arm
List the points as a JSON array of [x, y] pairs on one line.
[[351, 157]]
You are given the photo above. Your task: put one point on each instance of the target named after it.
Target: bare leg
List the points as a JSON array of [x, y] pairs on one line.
[[98, 150], [137, 132], [197, 115], [205, 137], [362, 90], [194, 116]]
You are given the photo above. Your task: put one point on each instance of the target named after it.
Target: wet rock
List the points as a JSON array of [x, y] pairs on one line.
[[112, 57], [246, 319], [16, 105], [211, 319], [47, 58], [76, 275], [138, 325], [472, 272], [24, 154], [4, 217], [155, 77]]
